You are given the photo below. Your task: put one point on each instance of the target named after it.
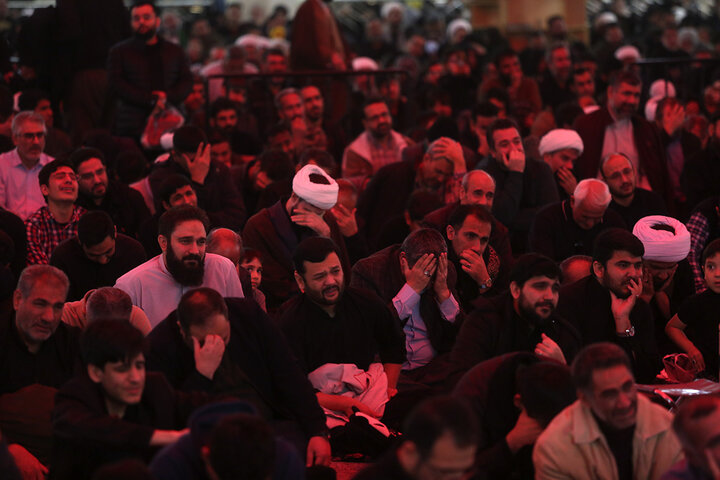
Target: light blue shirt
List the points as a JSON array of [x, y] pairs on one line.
[[419, 349], [19, 188]]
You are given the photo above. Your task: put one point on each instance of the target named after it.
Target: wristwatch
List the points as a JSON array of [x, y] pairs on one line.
[[486, 284], [630, 332]]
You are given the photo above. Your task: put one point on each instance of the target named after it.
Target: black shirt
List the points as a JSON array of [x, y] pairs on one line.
[[700, 314], [621, 446], [645, 202]]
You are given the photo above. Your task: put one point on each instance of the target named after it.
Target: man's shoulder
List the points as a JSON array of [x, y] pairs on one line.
[[553, 211], [380, 260], [257, 221], [140, 272], [214, 260], [38, 218]]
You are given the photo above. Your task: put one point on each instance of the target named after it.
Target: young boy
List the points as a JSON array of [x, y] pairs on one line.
[[695, 327]]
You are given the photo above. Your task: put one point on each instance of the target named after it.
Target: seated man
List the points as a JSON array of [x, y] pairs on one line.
[[106, 303], [613, 291], [114, 410], [610, 431], [38, 354], [522, 319], [58, 220], [515, 396], [276, 231], [418, 279], [330, 323], [570, 227], [479, 268], [559, 148], [230, 346], [439, 437], [697, 426], [98, 256], [125, 205], [212, 181], [629, 200], [157, 285]]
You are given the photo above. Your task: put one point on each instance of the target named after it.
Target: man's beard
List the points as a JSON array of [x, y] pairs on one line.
[[145, 36], [183, 274], [320, 298], [529, 313]]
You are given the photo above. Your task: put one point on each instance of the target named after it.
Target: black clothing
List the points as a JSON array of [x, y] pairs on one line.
[[86, 436], [553, 95], [700, 314], [85, 274], [495, 328], [387, 469], [217, 195], [554, 232], [700, 178], [597, 324], [262, 356], [645, 202], [15, 228], [621, 446], [125, 206], [135, 70], [148, 235], [361, 329], [57, 360]]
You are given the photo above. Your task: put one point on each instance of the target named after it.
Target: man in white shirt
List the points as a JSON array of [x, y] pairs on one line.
[[19, 168], [157, 285]]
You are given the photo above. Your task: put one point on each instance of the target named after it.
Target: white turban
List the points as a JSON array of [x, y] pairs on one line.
[[457, 24], [659, 88], [651, 108], [364, 63], [591, 108], [560, 139], [662, 245], [628, 52], [389, 7], [316, 194]]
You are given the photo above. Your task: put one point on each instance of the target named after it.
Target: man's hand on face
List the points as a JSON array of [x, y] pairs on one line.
[[442, 292], [209, 356], [318, 452], [450, 149], [473, 264], [567, 180], [621, 307], [418, 277], [347, 223], [311, 220], [525, 432], [199, 166], [514, 160]]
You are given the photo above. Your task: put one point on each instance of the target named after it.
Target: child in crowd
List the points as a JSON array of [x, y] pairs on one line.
[[252, 262]]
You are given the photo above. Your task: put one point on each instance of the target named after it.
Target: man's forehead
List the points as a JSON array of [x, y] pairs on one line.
[[615, 163], [506, 133], [31, 125], [331, 261], [90, 163], [189, 227], [624, 255], [310, 92]]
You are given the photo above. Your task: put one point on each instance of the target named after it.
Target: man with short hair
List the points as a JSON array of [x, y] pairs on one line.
[[559, 148], [97, 256], [318, 125], [613, 290], [289, 105], [277, 230], [145, 71], [38, 353], [232, 63], [440, 438], [523, 91], [19, 168], [58, 220], [57, 142], [629, 200], [157, 285], [697, 425], [570, 227], [105, 303], [483, 115], [115, 410], [211, 181], [418, 280], [618, 128], [701, 170], [610, 431], [125, 205], [583, 84], [379, 145], [334, 324], [555, 87], [522, 319], [212, 344], [522, 186]]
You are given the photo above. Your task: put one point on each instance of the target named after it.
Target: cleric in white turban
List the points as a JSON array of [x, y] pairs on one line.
[[560, 139], [560, 148], [665, 239], [315, 187]]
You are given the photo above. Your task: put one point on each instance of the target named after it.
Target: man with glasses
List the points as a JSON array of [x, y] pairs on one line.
[[19, 168], [58, 220], [125, 205]]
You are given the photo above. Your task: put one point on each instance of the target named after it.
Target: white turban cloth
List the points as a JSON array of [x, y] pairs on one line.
[[560, 139], [660, 244], [316, 194]]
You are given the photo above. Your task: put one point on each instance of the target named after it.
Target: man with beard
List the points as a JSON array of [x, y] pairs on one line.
[[618, 128], [145, 71], [157, 285], [125, 205], [522, 319], [379, 145], [559, 148], [555, 86], [630, 201], [604, 306], [331, 323], [523, 91], [316, 123], [277, 230], [19, 168], [700, 175], [610, 431]]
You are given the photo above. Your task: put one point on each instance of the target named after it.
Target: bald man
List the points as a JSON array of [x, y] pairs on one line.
[[227, 243], [569, 227]]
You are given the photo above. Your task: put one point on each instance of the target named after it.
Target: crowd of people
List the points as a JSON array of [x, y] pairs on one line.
[[242, 249]]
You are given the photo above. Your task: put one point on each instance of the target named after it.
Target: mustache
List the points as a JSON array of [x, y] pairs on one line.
[[192, 256]]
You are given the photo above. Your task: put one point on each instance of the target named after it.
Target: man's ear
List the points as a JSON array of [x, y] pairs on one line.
[[582, 396], [17, 298], [711, 130], [162, 241], [572, 201], [450, 232], [515, 290], [598, 269], [95, 373], [44, 190], [408, 456], [517, 401], [300, 281]]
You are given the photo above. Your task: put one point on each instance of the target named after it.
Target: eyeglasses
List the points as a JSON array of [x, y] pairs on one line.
[[63, 176], [33, 135]]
